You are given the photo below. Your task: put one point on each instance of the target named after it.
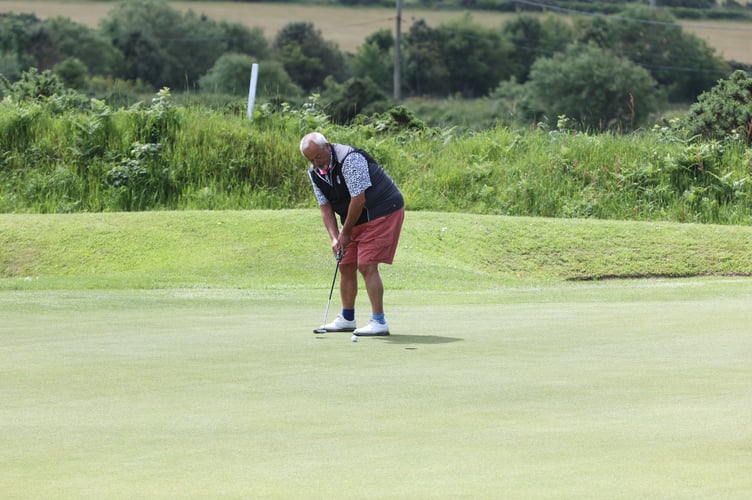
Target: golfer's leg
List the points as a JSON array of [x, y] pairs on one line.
[[348, 285], [374, 286]]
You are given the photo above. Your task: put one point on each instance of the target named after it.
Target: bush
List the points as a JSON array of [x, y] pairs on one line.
[[34, 85], [231, 74], [356, 96], [72, 72], [725, 110], [593, 86]]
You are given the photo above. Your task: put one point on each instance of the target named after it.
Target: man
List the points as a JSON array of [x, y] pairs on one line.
[[348, 182]]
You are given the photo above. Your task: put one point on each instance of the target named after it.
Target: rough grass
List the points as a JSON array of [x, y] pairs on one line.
[[348, 26]]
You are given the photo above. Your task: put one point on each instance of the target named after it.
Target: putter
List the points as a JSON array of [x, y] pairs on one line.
[[331, 291]]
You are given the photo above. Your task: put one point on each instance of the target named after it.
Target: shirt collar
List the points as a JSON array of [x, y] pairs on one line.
[[331, 161]]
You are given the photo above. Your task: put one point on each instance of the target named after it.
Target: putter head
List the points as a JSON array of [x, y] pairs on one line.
[[319, 330]]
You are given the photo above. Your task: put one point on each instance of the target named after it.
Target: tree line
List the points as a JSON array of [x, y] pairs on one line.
[[601, 72]]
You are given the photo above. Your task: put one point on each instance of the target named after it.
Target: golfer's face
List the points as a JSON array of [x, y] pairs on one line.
[[319, 158]]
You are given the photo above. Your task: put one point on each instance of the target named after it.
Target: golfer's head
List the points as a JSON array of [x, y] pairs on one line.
[[316, 150]]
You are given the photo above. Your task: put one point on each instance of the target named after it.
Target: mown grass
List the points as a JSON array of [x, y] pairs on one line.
[[170, 354], [627, 391]]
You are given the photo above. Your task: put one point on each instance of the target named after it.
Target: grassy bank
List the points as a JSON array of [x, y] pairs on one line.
[[289, 250], [67, 155]]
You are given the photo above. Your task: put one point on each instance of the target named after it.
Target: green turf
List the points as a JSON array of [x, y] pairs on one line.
[[628, 389], [289, 249]]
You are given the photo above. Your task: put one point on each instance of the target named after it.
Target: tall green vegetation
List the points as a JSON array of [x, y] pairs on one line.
[[230, 74], [162, 46], [458, 57], [594, 86], [534, 38], [307, 57], [682, 64], [725, 110], [375, 60], [147, 44], [63, 153]]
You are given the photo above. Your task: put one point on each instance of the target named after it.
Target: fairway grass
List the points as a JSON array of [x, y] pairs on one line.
[[622, 389]]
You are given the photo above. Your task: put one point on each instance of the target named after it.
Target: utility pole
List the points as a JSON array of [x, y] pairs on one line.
[[398, 55]]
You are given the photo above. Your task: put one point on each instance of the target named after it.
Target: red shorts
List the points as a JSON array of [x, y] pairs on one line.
[[375, 242]]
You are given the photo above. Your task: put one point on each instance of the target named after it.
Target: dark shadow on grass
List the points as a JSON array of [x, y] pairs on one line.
[[419, 339]]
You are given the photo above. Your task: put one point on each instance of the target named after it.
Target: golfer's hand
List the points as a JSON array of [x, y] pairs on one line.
[[339, 246]]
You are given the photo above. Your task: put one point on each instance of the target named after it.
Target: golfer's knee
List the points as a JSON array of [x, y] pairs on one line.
[[368, 269], [348, 268]]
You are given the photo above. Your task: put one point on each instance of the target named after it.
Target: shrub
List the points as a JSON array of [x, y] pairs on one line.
[[231, 73], [725, 110], [72, 72], [356, 96], [34, 85], [593, 86]]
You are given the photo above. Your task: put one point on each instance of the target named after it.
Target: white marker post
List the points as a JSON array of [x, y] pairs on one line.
[[252, 89]]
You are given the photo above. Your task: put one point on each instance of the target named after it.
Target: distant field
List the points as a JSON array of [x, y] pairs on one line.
[[349, 26]]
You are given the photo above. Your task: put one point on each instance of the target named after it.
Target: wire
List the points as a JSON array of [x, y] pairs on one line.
[[628, 19]]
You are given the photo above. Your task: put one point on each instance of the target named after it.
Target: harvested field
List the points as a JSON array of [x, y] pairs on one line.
[[348, 26]]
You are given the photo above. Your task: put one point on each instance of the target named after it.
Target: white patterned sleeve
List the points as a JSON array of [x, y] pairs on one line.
[[320, 198], [355, 172]]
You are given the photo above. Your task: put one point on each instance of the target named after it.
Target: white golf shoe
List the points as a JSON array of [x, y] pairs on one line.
[[373, 329], [340, 324]]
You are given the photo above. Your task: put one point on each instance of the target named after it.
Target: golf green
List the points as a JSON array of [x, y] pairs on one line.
[[620, 389]]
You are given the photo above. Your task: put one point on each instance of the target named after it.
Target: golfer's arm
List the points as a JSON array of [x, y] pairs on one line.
[[330, 221], [353, 212]]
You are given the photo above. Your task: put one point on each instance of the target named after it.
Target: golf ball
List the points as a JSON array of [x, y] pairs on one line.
[[354, 338]]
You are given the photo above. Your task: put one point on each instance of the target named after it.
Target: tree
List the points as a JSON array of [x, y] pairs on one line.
[[73, 40], [242, 40], [13, 35], [161, 45], [375, 60], [145, 60], [683, 64], [307, 57], [426, 71], [533, 38], [478, 58], [26, 42], [458, 57], [525, 32], [40, 46], [592, 86], [15, 41]]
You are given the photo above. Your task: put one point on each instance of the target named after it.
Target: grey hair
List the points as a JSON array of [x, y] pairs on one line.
[[315, 138]]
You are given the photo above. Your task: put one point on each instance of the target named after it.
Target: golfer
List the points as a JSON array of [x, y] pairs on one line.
[[348, 182]]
